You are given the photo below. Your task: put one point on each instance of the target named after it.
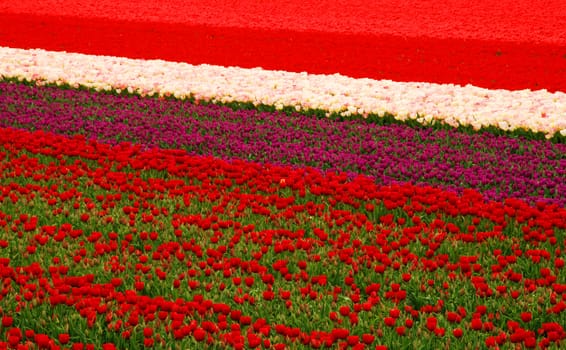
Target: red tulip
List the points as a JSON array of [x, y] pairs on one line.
[[199, 334], [64, 338], [389, 321], [147, 332], [148, 342], [7, 321], [431, 323], [42, 341]]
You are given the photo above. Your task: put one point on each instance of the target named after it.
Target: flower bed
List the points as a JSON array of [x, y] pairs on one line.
[[159, 248], [498, 166], [509, 44], [538, 111], [261, 208]]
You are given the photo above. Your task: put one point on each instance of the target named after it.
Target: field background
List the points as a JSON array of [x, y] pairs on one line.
[[117, 246]]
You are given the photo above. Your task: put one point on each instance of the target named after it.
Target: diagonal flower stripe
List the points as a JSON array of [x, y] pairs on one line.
[[215, 233], [457, 43], [512, 20], [498, 166], [509, 44], [539, 111]]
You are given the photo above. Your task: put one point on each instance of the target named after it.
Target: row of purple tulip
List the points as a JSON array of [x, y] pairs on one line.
[[498, 166]]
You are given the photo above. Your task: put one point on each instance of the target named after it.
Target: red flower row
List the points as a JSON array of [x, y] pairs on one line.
[[161, 246]]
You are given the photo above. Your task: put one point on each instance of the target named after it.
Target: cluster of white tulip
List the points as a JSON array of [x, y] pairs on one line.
[[539, 111]]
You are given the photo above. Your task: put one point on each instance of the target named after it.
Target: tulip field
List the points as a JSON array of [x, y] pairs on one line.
[[220, 175]]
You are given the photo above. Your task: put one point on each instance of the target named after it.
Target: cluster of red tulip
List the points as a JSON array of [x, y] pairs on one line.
[[112, 246]]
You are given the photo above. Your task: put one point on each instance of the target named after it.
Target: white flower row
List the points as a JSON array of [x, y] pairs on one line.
[[539, 110]]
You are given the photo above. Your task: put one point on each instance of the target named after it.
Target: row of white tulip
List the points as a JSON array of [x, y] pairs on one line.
[[539, 110]]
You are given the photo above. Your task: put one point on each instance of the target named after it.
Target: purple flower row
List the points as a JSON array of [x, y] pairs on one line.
[[498, 166]]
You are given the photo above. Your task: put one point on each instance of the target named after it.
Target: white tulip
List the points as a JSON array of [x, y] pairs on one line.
[[452, 104]]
